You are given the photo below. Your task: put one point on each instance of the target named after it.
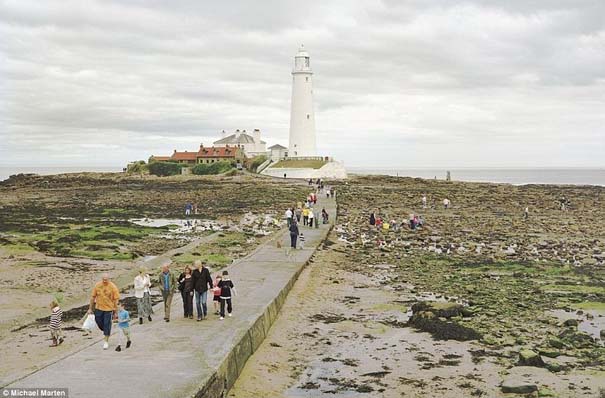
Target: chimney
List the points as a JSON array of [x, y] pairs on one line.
[[256, 136], [223, 134]]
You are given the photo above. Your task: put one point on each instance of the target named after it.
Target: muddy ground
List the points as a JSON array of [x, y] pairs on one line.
[[478, 297]]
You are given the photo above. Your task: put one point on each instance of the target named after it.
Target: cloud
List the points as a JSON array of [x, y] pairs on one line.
[[473, 83]]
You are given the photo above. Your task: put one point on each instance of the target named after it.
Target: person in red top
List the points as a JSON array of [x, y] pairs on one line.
[[216, 291]]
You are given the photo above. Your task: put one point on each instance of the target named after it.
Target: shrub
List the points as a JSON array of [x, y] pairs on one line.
[[212, 168], [257, 161], [163, 169], [137, 167]]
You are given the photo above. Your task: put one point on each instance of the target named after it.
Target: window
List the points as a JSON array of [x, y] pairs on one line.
[[307, 78], [308, 116]]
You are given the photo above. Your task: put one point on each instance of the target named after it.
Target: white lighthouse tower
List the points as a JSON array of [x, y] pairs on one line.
[[302, 117]]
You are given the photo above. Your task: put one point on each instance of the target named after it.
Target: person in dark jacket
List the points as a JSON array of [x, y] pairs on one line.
[[372, 219], [202, 282], [226, 286], [186, 288], [293, 234]]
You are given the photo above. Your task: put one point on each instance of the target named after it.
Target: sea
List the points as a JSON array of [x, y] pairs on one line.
[[561, 176]]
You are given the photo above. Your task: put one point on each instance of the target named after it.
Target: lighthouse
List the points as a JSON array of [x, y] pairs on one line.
[[302, 117]]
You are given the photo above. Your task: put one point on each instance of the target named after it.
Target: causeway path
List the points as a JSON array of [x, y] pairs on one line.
[[185, 358]]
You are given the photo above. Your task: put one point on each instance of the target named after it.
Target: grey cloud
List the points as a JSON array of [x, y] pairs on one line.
[[436, 76]]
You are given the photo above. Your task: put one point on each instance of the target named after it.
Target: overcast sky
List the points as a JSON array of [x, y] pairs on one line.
[[515, 83]]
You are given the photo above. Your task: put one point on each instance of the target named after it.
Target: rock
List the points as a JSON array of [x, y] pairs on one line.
[[571, 322], [602, 333], [530, 358], [556, 342], [438, 308], [517, 386], [550, 353]]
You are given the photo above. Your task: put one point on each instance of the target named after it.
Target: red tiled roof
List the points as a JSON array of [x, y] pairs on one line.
[[161, 158], [217, 152], [184, 155]]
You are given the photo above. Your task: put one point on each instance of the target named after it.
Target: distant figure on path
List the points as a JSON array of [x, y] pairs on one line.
[[202, 282], [446, 203], [448, 176], [226, 286], [526, 213], [333, 193], [104, 302], [142, 283], [124, 326], [284, 175], [305, 214], [56, 323], [324, 215], [424, 201], [186, 288], [298, 214], [310, 181], [311, 218], [167, 284], [372, 219], [188, 209], [294, 232], [289, 216]]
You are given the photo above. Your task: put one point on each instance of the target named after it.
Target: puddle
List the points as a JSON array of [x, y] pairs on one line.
[[191, 225], [592, 327]]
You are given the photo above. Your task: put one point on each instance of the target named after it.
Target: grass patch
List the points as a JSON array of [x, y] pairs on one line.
[[99, 242], [17, 248], [574, 288], [306, 164], [590, 305]]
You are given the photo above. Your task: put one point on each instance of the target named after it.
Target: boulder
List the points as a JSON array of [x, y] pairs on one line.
[[530, 358], [438, 308], [518, 386], [571, 322], [602, 333]]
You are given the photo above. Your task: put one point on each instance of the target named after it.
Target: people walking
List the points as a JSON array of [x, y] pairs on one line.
[[167, 283], [311, 217], [289, 216], [124, 326], [324, 216], [526, 213], [56, 324], [104, 303], [188, 208], [305, 214], [424, 201], [294, 232], [216, 293], [142, 284], [186, 289], [297, 214], [226, 286], [372, 219], [202, 282], [301, 239], [446, 203]]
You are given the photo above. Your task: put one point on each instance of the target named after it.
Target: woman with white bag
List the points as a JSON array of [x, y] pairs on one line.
[[142, 283]]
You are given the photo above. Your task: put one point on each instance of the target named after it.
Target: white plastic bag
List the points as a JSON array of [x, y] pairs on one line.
[[89, 322]]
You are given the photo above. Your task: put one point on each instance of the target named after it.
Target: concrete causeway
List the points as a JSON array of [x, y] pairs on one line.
[[185, 358]]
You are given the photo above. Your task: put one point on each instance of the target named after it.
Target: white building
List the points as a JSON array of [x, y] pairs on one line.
[[278, 152], [302, 117], [251, 144]]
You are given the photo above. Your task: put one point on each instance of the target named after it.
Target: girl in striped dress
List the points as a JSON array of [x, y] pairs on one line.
[[56, 324]]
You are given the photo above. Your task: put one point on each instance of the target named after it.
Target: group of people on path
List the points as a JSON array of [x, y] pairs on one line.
[[305, 213], [106, 308]]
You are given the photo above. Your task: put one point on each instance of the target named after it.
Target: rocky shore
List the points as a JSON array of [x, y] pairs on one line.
[[480, 301]]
